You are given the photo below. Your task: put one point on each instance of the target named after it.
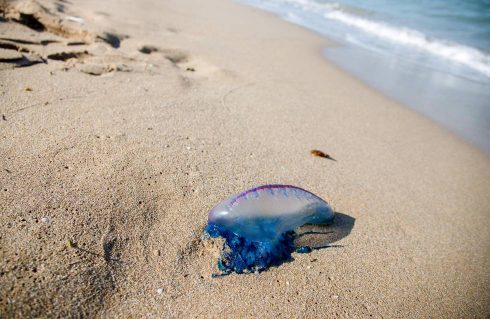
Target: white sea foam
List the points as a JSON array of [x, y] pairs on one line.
[[454, 52]]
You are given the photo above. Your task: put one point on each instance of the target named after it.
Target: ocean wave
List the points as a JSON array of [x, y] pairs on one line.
[[362, 20], [464, 55]]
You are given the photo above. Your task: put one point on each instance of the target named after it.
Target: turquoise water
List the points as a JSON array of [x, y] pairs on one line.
[[431, 55]]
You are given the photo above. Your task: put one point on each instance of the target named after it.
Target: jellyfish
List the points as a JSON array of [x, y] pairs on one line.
[[258, 226]]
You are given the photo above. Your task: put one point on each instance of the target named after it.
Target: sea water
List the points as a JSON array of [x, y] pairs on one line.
[[431, 55]]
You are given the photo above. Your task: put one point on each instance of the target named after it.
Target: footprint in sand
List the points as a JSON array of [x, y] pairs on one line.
[[58, 38], [61, 39], [193, 65]]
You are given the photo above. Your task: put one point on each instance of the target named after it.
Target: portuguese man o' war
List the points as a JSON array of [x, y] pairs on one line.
[[258, 225]]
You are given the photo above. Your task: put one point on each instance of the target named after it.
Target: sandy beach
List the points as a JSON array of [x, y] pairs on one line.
[[124, 122]]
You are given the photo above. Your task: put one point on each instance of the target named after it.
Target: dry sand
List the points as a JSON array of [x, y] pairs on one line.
[[137, 121]]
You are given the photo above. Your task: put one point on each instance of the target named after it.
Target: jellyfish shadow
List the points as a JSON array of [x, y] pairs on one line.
[[324, 236]]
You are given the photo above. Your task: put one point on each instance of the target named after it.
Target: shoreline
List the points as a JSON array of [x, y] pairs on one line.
[[451, 101], [113, 157]]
